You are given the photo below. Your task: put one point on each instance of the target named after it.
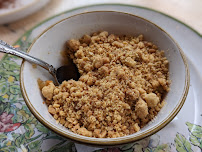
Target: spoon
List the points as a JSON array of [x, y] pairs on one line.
[[66, 72]]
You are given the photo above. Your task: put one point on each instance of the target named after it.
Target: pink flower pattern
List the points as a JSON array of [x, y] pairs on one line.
[[6, 124]]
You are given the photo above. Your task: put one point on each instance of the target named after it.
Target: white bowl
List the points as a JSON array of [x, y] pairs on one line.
[[48, 46], [23, 8]]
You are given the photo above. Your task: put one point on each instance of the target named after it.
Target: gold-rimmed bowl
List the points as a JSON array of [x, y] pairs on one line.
[[50, 43]]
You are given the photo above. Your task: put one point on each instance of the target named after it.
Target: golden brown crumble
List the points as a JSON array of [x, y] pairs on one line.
[[121, 88]]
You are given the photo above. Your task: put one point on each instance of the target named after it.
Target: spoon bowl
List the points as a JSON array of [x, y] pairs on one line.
[[66, 72]]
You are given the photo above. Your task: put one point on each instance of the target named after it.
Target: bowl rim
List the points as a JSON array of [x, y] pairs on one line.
[[113, 141]]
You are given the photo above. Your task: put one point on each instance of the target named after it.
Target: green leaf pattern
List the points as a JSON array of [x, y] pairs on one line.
[[35, 146], [42, 129], [195, 130], [195, 141], [68, 147], [195, 134], [182, 144], [20, 140]]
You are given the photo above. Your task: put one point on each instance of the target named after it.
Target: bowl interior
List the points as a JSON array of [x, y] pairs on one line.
[[49, 45]]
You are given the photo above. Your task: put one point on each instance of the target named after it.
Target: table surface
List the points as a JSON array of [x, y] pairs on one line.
[[186, 11]]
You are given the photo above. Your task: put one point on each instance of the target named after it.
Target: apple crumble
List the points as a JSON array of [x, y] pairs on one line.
[[122, 86]]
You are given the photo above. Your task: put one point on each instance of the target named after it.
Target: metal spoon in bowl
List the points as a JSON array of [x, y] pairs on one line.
[[66, 72]]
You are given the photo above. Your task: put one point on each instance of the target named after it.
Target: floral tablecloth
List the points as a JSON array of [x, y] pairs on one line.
[[20, 131]]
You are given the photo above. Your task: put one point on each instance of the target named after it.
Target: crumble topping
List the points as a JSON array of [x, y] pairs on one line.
[[121, 88]]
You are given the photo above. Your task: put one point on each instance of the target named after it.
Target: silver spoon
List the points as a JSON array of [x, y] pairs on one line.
[[66, 72]]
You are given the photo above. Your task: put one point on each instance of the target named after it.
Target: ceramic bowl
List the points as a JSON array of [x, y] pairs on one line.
[[51, 42], [23, 8]]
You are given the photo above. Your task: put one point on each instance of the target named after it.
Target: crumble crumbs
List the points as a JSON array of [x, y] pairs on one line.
[[121, 88]]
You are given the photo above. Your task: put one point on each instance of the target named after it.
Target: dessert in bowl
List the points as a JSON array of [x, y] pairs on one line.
[[128, 52]]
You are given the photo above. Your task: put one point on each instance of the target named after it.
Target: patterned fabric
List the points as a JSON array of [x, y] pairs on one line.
[[20, 130]]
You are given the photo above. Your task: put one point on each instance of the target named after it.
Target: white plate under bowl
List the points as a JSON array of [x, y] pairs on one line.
[[25, 8]]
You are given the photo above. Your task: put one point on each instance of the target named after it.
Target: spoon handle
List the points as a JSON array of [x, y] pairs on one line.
[[6, 48]]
